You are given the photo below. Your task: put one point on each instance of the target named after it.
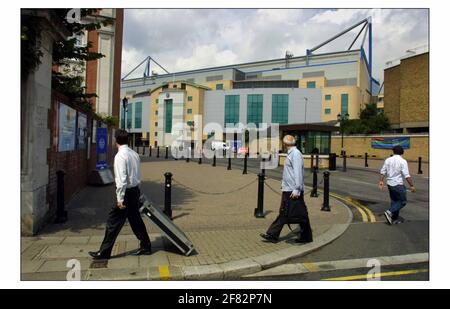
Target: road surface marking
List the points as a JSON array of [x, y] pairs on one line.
[[345, 200], [311, 267], [386, 274], [164, 272], [368, 211]]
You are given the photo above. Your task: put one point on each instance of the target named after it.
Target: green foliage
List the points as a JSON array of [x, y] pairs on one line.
[[109, 120], [370, 122], [30, 52]]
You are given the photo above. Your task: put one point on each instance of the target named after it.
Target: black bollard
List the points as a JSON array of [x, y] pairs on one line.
[[157, 152], [263, 170], [143, 150], [150, 150], [167, 152], [214, 160], [317, 161], [168, 195], [326, 191], [61, 214], [344, 162], [245, 164], [312, 163], [420, 166], [314, 189], [229, 163], [259, 211], [200, 159], [366, 164]]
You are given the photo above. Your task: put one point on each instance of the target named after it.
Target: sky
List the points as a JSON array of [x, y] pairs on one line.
[[184, 39]]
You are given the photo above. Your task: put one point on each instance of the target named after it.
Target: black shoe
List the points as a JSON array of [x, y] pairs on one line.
[[142, 251], [270, 238], [97, 255]]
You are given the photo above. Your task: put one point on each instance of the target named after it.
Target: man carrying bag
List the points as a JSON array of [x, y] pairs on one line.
[[293, 209]]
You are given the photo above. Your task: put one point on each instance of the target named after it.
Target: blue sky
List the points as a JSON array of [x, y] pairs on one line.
[[183, 39]]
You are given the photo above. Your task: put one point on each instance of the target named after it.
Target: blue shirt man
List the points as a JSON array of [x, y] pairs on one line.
[[293, 172]]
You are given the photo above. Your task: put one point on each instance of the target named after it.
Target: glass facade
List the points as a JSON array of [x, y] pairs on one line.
[[310, 84], [318, 142], [231, 109], [189, 110], [254, 109], [344, 104], [327, 111], [280, 108], [168, 116], [219, 86], [129, 114], [189, 98], [138, 115], [328, 97]]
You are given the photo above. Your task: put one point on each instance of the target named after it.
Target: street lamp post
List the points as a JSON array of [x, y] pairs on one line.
[[306, 103], [124, 105], [341, 119]]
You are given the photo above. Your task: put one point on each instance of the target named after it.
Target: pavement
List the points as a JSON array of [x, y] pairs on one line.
[[212, 205]]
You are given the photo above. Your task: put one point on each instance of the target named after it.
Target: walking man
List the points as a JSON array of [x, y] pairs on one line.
[[394, 170], [292, 186], [127, 176]]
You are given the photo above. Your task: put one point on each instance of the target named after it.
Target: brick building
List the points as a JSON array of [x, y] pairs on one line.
[[406, 94]]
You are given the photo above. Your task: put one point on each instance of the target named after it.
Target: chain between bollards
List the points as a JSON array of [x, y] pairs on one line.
[[326, 191], [168, 194], [259, 211], [314, 189]]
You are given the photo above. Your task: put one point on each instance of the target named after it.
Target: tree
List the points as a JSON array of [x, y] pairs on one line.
[[68, 82], [370, 122]]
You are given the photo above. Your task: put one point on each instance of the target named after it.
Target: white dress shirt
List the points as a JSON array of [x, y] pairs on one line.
[[394, 169], [293, 172], [127, 170]]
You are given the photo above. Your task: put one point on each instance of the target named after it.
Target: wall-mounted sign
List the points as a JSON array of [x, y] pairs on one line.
[[67, 128], [102, 148], [390, 142], [82, 131]]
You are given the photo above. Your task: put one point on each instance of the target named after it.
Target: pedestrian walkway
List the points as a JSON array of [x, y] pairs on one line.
[[214, 206]]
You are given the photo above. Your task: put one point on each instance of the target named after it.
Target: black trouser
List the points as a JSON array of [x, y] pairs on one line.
[[116, 220], [277, 225]]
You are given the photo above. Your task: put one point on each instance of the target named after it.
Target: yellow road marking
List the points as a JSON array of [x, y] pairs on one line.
[[360, 210], [164, 272], [368, 211], [312, 267], [386, 274]]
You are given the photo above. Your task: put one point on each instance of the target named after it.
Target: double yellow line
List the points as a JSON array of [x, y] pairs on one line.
[[366, 214]]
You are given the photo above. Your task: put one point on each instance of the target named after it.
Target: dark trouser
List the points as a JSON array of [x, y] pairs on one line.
[[398, 199], [116, 220], [277, 225]]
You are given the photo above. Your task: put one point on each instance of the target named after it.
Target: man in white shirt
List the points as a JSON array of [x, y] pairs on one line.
[[127, 176], [394, 170]]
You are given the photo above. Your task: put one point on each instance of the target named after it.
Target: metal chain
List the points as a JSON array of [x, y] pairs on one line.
[[214, 193], [278, 193]]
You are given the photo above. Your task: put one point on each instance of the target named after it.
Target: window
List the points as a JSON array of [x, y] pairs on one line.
[[157, 101], [168, 116], [231, 109], [327, 111], [156, 133], [219, 86], [156, 123], [138, 115], [344, 104], [129, 114], [156, 112], [327, 97], [280, 108], [254, 109], [189, 110], [310, 84], [189, 98], [190, 123], [175, 86]]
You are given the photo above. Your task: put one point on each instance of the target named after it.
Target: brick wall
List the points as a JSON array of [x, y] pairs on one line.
[[359, 145], [75, 164], [392, 94]]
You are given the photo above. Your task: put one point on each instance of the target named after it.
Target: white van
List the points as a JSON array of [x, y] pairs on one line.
[[217, 145]]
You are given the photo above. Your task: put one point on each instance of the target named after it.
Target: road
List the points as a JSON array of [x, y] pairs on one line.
[[365, 237]]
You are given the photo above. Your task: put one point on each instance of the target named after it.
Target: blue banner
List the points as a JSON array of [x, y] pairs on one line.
[[102, 148], [390, 142]]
